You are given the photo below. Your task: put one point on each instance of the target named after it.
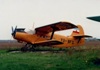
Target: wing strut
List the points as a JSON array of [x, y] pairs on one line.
[[52, 34], [53, 30]]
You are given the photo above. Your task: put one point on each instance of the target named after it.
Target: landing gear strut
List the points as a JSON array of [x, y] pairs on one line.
[[28, 47]]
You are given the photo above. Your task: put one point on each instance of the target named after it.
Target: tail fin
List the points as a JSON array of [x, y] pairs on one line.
[[79, 34], [79, 31]]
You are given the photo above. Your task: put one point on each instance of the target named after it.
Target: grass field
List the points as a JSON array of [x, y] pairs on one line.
[[86, 57], [70, 59]]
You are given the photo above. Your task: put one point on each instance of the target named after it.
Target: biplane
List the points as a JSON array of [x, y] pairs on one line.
[[46, 36]]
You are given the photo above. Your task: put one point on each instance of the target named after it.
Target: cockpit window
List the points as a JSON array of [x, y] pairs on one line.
[[29, 31]]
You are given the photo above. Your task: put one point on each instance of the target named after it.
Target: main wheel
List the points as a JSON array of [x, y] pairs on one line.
[[25, 48], [32, 48]]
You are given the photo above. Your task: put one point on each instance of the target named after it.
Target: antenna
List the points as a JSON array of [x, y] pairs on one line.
[[33, 26]]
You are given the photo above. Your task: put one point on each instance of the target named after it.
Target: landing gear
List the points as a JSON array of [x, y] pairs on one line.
[[28, 47]]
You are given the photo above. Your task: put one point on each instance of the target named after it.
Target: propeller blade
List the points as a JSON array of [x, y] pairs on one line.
[[12, 29], [16, 27]]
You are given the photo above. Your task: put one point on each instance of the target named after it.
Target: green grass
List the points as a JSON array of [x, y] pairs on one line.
[[67, 60]]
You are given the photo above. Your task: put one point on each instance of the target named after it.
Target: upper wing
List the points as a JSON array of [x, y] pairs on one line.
[[48, 42], [54, 27]]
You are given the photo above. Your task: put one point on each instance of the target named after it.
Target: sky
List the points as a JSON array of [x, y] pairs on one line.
[[26, 13]]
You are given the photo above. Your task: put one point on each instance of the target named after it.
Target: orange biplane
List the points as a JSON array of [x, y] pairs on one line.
[[45, 36]]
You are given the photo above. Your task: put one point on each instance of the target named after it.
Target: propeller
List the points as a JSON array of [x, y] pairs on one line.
[[14, 31]]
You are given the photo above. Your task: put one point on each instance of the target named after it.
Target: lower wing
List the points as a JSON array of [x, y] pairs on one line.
[[48, 42]]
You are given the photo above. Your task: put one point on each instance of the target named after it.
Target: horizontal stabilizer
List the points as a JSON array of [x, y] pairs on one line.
[[81, 36], [48, 42]]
